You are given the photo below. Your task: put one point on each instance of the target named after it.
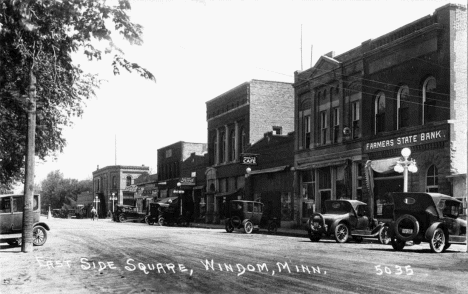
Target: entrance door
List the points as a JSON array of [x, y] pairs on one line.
[[324, 195]]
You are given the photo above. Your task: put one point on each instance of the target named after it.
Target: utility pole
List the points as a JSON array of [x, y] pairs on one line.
[[27, 245]]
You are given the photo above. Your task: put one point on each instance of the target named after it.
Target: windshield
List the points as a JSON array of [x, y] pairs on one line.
[[337, 207], [450, 208], [236, 206]]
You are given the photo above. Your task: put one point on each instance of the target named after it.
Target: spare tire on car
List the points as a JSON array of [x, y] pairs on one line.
[[406, 227]]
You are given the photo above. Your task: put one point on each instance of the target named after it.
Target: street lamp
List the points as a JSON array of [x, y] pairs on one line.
[[405, 165], [113, 198], [96, 200], [179, 192], [247, 171]]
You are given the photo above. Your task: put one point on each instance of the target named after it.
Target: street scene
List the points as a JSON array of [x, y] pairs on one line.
[[82, 256], [204, 146]]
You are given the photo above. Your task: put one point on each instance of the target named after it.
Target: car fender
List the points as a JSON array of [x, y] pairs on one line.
[[432, 228], [42, 224], [246, 220]]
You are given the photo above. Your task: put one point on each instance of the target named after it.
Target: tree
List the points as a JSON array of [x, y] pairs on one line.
[[37, 40]]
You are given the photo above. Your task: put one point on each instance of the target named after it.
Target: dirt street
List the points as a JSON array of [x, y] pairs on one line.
[[82, 256]]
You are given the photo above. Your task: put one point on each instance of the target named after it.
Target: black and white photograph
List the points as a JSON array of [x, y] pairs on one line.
[[233, 146]]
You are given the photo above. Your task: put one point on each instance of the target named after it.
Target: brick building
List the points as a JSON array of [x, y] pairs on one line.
[[271, 179], [147, 190], [236, 119], [117, 179], [183, 163], [356, 111]]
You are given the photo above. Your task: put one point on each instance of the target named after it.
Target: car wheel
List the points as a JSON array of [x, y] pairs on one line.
[[319, 226], [150, 221], [248, 227], [447, 245], [161, 221], [272, 228], [406, 227], [383, 236], [397, 244], [182, 221], [122, 218], [229, 227], [39, 236], [438, 241], [358, 239], [341, 233], [314, 237]]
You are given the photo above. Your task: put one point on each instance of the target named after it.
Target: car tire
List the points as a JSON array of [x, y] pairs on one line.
[[182, 221], [410, 220], [272, 228], [39, 236], [358, 239], [447, 246], [383, 235], [438, 241], [397, 244], [248, 227], [319, 219], [314, 237], [122, 218], [161, 221], [341, 233], [229, 227]]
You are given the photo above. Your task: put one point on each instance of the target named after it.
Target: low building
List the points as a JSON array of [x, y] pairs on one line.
[[147, 190]]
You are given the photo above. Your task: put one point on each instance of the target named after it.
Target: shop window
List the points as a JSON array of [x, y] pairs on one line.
[[429, 100], [379, 113], [359, 182], [432, 179], [403, 107], [308, 193]]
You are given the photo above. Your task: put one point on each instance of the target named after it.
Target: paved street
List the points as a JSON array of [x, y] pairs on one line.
[[82, 256]]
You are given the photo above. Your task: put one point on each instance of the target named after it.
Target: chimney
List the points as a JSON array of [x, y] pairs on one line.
[[97, 167]]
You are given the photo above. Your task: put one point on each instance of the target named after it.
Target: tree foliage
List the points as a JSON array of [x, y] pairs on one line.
[[57, 190], [40, 37]]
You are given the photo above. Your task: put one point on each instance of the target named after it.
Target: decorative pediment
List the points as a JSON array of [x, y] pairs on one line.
[[324, 65]]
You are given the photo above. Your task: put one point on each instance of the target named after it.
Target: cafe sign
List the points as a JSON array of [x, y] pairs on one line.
[[406, 141], [187, 181], [249, 159]]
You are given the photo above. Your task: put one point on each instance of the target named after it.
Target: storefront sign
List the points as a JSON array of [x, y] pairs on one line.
[[249, 159], [404, 141], [187, 181]]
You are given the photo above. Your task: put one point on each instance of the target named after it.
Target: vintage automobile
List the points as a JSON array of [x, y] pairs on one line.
[[344, 219], [243, 214], [426, 217], [127, 213], [11, 220], [171, 212]]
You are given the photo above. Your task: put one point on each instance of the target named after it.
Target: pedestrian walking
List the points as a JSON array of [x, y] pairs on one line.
[[93, 214]]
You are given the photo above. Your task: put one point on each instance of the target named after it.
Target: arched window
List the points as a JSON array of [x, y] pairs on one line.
[[114, 182], [232, 145], [129, 180], [403, 107], [304, 114], [429, 100], [379, 112], [222, 155], [432, 179]]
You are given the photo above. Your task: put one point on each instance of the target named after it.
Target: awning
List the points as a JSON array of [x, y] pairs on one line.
[[384, 165], [131, 188], [320, 164], [198, 187], [165, 201], [269, 170]]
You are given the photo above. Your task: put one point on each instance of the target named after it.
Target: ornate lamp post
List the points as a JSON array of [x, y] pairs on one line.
[[96, 200], [113, 198], [405, 165]]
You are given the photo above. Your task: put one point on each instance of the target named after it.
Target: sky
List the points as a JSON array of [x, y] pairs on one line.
[[200, 49]]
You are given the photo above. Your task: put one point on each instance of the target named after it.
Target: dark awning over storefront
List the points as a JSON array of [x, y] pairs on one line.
[[384, 165], [320, 164], [269, 170]]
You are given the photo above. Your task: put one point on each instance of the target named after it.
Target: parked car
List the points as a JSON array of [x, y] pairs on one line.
[[344, 219], [171, 212], [127, 212], [11, 220], [244, 214], [426, 217]]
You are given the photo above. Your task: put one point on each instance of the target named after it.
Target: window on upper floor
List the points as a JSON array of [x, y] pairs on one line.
[[243, 140], [432, 179], [232, 145], [323, 127], [355, 116], [114, 182], [429, 100], [403, 105], [222, 151], [129, 180], [379, 113], [304, 115], [336, 124], [214, 144]]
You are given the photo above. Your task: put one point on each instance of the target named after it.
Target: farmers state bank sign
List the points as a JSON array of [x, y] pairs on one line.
[[404, 141]]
